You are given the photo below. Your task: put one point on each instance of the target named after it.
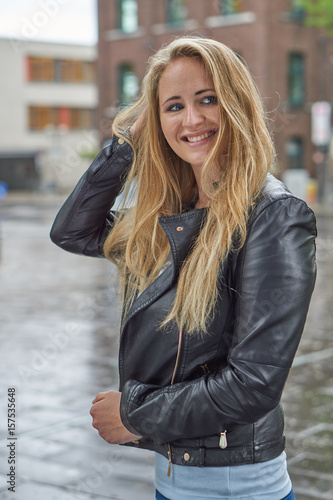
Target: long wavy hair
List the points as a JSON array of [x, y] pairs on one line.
[[162, 184]]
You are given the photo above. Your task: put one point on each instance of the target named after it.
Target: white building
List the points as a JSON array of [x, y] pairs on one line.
[[48, 102]]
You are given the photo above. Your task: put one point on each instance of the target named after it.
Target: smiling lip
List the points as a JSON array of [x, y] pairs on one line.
[[200, 137]]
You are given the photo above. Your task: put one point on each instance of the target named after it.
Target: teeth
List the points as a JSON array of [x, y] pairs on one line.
[[200, 137]]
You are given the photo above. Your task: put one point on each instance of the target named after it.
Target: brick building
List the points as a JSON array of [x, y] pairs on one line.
[[290, 62]]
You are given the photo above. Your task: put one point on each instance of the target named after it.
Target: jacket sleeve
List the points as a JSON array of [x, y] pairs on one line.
[[274, 279], [84, 220]]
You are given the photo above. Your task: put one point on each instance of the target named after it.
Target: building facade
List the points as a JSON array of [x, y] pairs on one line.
[[290, 62], [48, 118]]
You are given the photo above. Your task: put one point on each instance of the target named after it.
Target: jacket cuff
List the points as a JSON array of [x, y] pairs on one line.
[[128, 395], [113, 162]]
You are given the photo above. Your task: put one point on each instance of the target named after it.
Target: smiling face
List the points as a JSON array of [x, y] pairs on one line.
[[189, 111]]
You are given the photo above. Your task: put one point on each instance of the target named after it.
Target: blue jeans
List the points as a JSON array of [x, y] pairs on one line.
[[159, 496]]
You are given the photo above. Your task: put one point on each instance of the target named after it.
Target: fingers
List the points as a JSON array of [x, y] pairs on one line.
[[110, 395], [99, 397]]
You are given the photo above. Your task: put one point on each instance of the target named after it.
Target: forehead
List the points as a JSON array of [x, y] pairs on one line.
[[184, 75]]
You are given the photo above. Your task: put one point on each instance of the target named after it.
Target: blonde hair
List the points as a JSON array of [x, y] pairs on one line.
[[164, 184]]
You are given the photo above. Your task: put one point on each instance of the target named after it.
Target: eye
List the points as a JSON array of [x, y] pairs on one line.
[[175, 107], [211, 99]]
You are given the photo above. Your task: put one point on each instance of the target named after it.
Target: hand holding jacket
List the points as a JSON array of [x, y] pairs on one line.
[[106, 418]]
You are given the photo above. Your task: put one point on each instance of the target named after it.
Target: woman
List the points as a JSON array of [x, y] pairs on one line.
[[217, 264]]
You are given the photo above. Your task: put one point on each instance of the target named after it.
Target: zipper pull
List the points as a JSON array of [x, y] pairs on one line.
[[223, 440], [169, 466]]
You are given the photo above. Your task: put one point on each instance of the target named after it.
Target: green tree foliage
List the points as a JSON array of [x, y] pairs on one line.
[[319, 13]]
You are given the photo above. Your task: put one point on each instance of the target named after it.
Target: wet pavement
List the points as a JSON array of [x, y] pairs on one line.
[[59, 322]]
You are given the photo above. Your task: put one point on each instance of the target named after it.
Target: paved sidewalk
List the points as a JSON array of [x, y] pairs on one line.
[[59, 341]]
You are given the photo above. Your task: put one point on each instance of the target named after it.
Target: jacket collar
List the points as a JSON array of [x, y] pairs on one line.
[[181, 231]]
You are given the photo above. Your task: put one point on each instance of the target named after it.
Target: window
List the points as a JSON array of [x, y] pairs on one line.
[[227, 7], [41, 69], [127, 15], [128, 84], [295, 153], [88, 71], [64, 117], [71, 71], [81, 118], [296, 80], [175, 11], [41, 116], [77, 71], [74, 118], [297, 11]]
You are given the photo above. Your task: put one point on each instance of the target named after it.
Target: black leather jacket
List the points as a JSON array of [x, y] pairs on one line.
[[214, 399]]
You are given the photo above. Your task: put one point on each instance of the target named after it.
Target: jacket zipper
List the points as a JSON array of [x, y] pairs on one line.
[[177, 357], [169, 457], [223, 443], [172, 382]]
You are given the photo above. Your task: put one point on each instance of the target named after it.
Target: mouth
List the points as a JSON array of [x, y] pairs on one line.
[[197, 138]]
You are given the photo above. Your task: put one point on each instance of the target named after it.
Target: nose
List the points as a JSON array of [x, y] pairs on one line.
[[192, 117]]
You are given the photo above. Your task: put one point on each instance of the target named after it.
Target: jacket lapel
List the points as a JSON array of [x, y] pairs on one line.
[[181, 231]]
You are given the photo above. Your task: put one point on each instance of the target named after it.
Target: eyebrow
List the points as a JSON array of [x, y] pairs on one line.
[[179, 97]]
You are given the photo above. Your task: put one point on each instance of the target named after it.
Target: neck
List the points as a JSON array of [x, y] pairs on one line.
[[202, 201]]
